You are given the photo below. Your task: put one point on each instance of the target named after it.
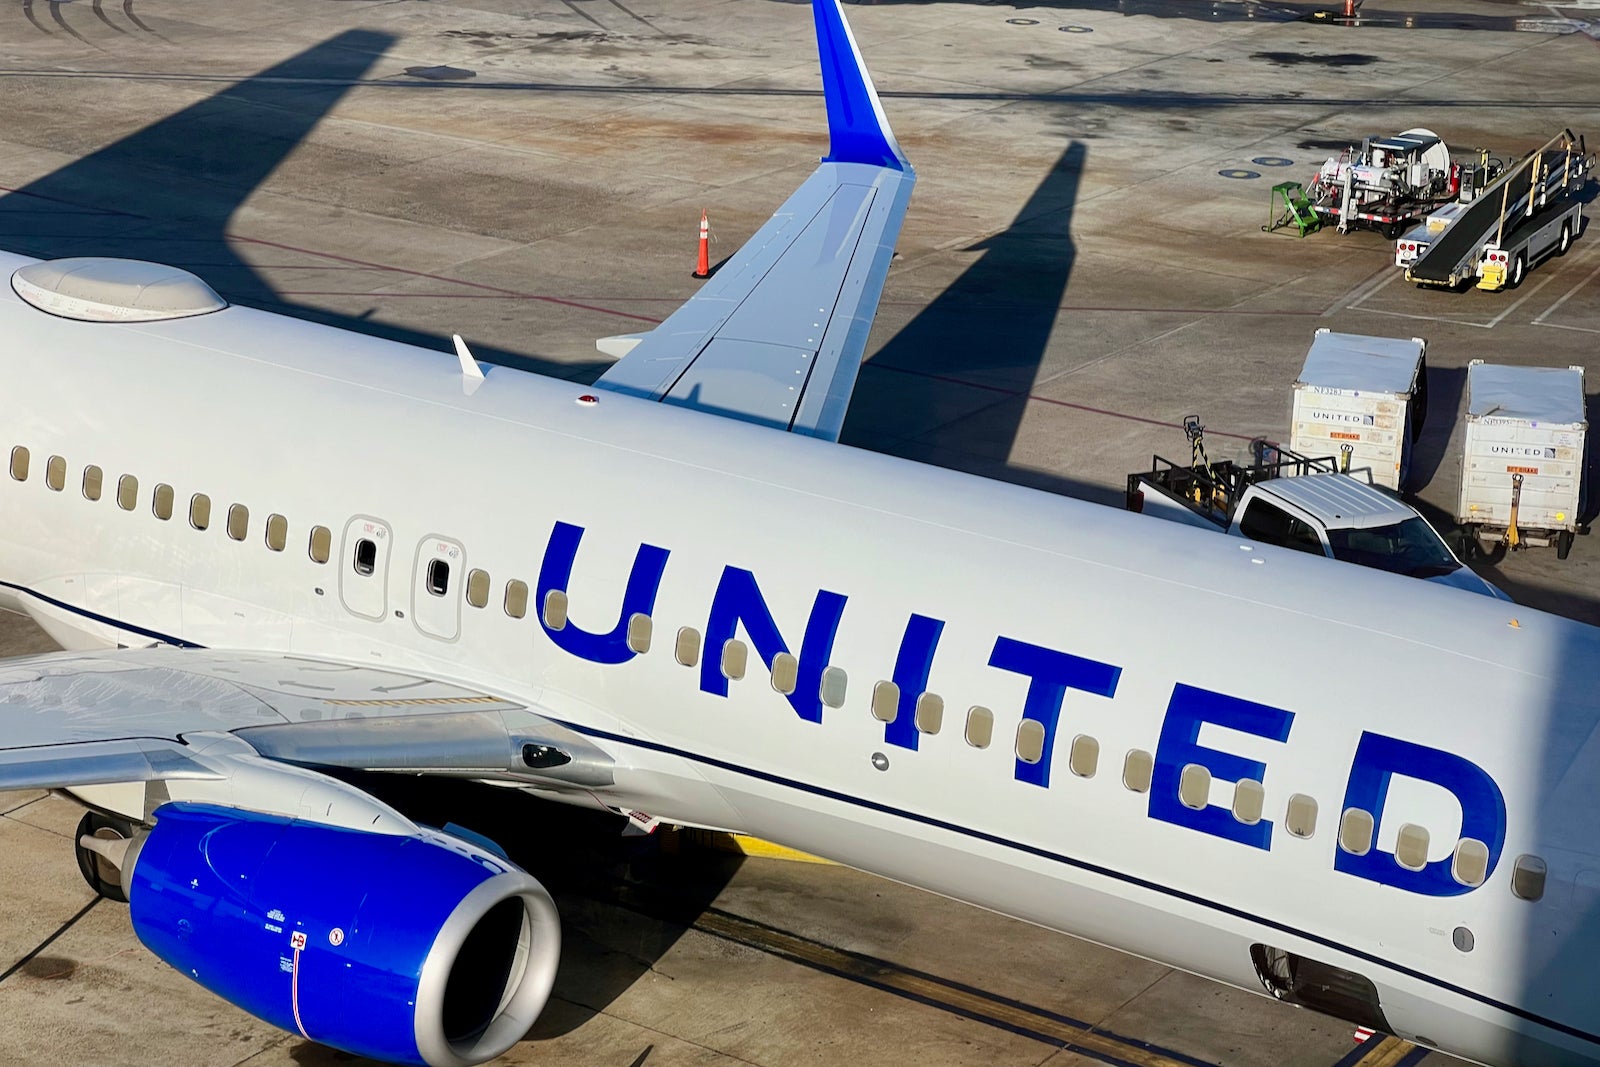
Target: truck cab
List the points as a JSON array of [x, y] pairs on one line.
[[1305, 505], [1337, 516]]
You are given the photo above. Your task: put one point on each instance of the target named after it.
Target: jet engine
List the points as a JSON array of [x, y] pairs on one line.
[[409, 948]]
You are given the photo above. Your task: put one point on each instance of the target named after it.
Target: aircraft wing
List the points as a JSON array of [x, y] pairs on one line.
[[776, 337], [78, 719]]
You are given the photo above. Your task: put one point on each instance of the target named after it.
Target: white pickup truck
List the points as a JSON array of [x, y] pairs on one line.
[[1307, 506]]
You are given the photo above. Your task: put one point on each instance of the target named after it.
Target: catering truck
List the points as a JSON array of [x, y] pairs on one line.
[[1304, 504]]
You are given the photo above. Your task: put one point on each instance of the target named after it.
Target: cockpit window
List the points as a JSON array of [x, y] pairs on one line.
[[1410, 548]]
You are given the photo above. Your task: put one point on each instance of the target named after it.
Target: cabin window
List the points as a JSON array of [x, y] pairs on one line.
[[200, 511], [238, 522], [366, 557], [1527, 877], [161, 501], [1355, 831], [1301, 818], [127, 492], [735, 657], [19, 463], [785, 673], [94, 480], [885, 701], [930, 713], [277, 532], [1194, 786], [555, 610], [321, 544], [1249, 799], [1030, 741], [686, 649], [55, 473], [1084, 756], [980, 726], [1137, 768], [438, 577], [833, 686], [1411, 847], [477, 588], [640, 629], [1470, 864], [516, 598]]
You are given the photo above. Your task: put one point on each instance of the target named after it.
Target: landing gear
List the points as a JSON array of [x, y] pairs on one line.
[[103, 876]]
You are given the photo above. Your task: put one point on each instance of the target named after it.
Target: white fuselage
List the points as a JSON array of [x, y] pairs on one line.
[[387, 443]]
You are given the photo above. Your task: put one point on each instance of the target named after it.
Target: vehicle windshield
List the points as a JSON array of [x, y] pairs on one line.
[[1410, 548]]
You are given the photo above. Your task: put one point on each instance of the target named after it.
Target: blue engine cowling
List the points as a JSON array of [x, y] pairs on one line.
[[410, 949]]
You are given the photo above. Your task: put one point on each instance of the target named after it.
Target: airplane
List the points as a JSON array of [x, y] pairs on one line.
[[274, 551]]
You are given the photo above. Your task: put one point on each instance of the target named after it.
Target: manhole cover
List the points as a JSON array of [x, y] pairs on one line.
[[441, 74], [1022, 22], [1272, 161], [1077, 29], [1237, 172]]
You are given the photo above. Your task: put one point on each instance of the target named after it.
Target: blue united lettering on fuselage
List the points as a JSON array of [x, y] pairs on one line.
[[1483, 811], [737, 602], [911, 669], [1050, 674], [1189, 709], [638, 598]]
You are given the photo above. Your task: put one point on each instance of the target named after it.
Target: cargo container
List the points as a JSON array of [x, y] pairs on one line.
[[1522, 465], [1369, 394]]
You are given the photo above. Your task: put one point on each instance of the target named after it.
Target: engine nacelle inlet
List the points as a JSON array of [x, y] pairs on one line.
[[420, 949]]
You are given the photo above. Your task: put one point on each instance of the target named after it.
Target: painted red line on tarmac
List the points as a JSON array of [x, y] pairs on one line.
[[444, 278], [948, 379]]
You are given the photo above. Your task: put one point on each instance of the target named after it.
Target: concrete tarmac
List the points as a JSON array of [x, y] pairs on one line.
[[1083, 265]]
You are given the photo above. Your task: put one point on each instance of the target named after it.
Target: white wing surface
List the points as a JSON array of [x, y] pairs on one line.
[[776, 337], [75, 719]]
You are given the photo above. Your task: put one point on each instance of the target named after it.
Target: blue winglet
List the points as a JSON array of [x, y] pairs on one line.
[[857, 130]]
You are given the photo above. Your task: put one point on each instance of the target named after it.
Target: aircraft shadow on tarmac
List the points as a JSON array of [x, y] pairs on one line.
[[987, 334], [168, 191]]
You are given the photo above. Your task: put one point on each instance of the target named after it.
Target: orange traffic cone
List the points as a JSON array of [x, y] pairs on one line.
[[703, 267], [1349, 9]]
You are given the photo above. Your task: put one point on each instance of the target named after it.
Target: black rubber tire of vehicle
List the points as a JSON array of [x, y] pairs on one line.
[[1468, 548], [1564, 544], [1518, 271], [102, 877], [1565, 242]]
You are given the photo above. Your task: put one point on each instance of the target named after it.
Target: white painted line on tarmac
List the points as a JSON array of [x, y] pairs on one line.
[[1553, 308], [1564, 326], [1425, 318], [1364, 289]]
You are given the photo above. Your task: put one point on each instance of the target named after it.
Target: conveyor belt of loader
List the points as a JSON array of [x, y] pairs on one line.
[[1479, 222]]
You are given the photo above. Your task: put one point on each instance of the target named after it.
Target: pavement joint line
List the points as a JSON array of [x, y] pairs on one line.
[[1016, 394], [47, 942], [26, 803], [940, 993]]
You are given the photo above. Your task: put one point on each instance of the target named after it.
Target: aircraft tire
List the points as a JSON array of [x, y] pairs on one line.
[[101, 875]]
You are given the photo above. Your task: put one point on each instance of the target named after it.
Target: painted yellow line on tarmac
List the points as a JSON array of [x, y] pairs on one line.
[[1386, 1053]]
